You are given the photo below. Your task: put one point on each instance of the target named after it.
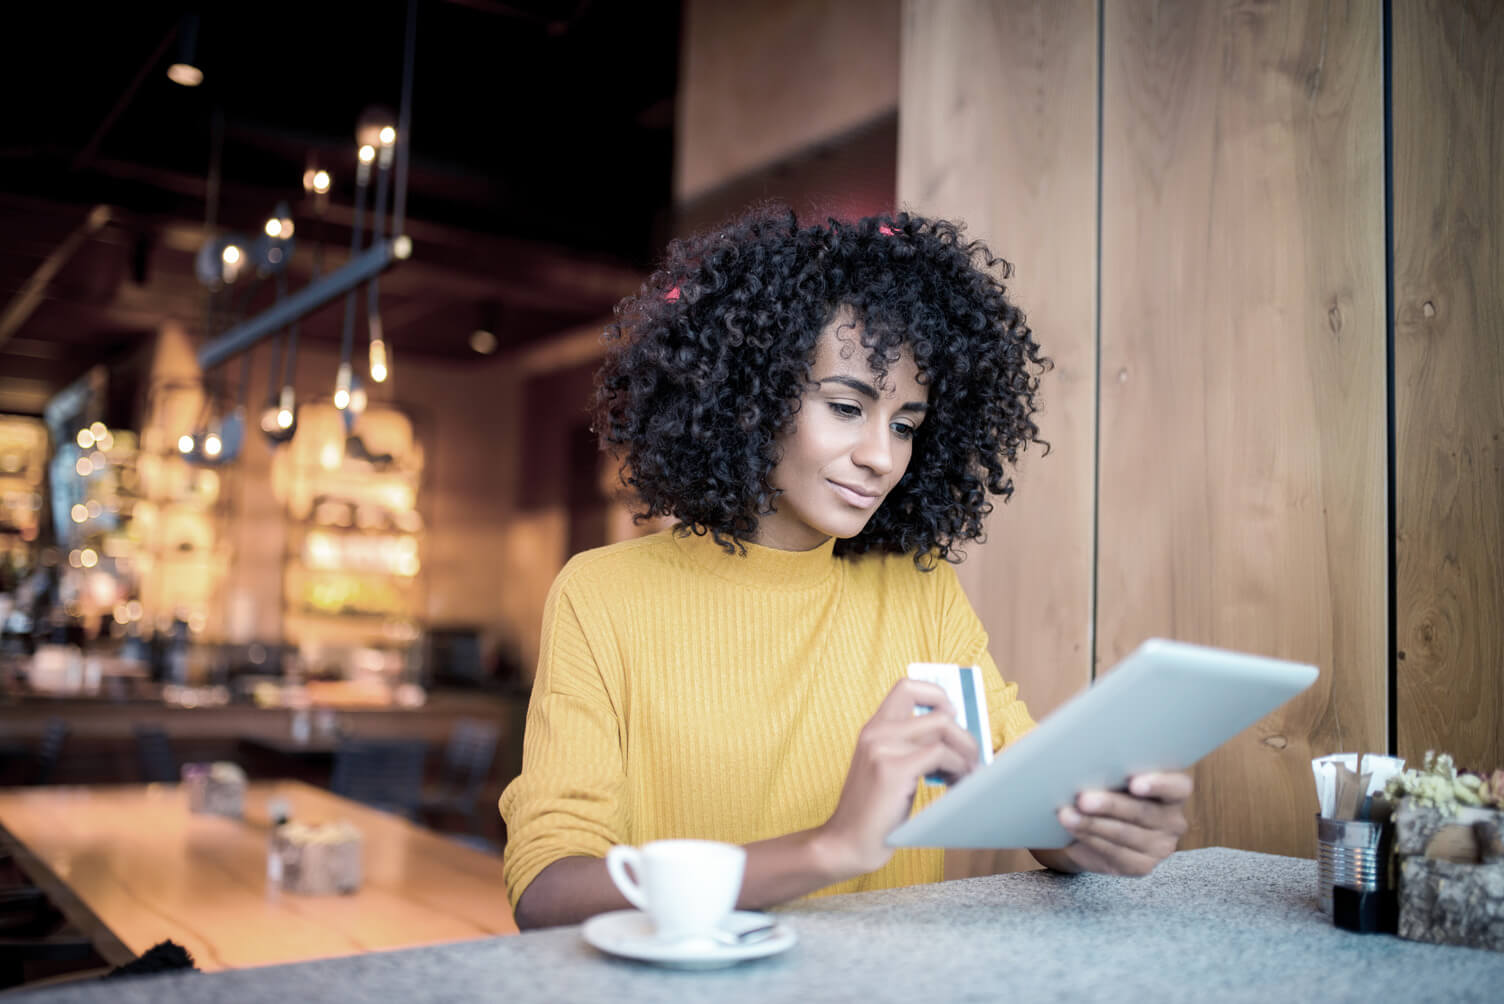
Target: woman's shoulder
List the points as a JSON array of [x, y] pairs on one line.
[[619, 563], [894, 571]]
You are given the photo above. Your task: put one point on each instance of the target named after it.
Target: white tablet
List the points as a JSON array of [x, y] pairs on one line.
[[1164, 707]]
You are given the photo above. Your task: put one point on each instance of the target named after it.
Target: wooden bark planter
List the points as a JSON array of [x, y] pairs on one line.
[[1451, 875]]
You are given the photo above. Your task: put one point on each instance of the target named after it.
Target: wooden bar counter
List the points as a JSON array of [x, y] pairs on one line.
[[146, 869]]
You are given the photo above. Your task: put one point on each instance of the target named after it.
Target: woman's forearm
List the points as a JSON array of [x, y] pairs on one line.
[[778, 870]]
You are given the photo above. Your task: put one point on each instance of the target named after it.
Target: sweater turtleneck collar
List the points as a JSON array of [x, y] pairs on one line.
[[762, 567]]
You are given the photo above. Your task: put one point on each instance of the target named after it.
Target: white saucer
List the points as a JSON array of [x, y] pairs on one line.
[[630, 934]]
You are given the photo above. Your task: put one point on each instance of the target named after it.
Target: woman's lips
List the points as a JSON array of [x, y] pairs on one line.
[[854, 497]]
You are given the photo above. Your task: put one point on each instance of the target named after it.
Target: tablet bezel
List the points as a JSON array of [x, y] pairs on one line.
[[1164, 707]]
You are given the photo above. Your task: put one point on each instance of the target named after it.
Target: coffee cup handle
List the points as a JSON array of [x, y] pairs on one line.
[[617, 860]]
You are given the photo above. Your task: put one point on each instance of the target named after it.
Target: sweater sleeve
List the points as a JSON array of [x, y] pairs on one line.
[[965, 642], [568, 799]]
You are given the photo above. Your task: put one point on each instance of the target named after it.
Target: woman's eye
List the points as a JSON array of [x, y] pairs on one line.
[[845, 410], [903, 430]]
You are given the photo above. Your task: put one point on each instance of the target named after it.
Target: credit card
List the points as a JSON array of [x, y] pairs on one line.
[[963, 687]]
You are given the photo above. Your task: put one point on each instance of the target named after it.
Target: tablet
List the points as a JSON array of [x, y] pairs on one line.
[[1164, 707]]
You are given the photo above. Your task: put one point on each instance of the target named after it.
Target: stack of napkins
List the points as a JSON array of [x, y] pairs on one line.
[[1346, 783]]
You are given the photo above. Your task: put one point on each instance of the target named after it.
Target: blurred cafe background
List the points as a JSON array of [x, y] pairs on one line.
[[349, 525], [1260, 242]]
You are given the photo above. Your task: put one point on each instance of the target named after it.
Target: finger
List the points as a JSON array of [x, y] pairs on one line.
[[1162, 786], [1113, 859], [908, 694], [1141, 812], [925, 729], [1089, 859], [1156, 842], [935, 759]]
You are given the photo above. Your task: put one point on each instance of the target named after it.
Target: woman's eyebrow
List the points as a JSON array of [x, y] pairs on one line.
[[867, 390]]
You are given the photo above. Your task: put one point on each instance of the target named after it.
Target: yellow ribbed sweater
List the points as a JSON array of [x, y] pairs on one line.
[[685, 692]]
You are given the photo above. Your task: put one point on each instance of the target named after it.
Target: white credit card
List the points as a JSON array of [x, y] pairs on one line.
[[966, 693]]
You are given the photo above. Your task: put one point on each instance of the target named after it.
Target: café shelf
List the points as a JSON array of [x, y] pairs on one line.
[[352, 568], [351, 587]]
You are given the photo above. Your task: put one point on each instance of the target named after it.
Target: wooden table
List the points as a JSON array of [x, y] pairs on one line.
[[145, 869]]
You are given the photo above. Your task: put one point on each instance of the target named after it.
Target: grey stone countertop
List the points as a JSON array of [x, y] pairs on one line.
[[1209, 925]]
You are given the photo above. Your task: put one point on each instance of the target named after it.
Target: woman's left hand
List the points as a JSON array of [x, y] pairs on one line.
[[1124, 833]]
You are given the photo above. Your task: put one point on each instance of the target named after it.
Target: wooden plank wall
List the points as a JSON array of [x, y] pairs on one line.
[[1448, 115], [1240, 493], [1242, 448], [997, 127], [759, 82]]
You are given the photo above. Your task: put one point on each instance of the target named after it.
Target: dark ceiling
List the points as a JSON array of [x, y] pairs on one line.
[[541, 146]]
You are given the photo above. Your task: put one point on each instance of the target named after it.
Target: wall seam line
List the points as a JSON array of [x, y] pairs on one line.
[[1096, 435], [1391, 502]]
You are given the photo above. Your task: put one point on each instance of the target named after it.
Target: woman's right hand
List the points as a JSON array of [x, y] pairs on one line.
[[895, 749]]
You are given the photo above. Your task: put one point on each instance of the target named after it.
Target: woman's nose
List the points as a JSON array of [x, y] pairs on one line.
[[874, 451]]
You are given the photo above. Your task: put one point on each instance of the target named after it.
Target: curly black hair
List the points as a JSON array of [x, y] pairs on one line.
[[705, 367]]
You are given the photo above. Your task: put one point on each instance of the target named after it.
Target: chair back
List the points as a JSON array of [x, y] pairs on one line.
[[154, 755], [468, 758], [385, 774], [49, 750]]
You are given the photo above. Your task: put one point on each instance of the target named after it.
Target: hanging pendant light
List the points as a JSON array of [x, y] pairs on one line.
[[342, 380], [218, 441], [279, 418], [184, 69], [376, 124]]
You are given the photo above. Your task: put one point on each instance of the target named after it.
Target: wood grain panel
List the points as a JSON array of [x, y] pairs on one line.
[[1448, 114], [148, 869], [761, 81], [997, 126], [1242, 451]]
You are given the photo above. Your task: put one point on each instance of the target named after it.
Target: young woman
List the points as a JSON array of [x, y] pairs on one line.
[[826, 411]]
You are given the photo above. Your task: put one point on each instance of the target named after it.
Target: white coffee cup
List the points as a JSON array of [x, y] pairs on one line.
[[687, 886]]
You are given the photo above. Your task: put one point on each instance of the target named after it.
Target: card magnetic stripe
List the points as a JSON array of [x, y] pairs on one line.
[[973, 718]]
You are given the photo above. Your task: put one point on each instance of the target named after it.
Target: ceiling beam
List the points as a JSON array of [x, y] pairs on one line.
[[30, 295], [92, 147], [364, 266]]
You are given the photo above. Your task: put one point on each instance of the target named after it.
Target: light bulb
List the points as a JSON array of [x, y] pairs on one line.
[[284, 418], [85, 439], [367, 154], [185, 75], [79, 512], [231, 254], [185, 443], [388, 135], [274, 227], [212, 445], [321, 182], [378, 357], [342, 387]]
